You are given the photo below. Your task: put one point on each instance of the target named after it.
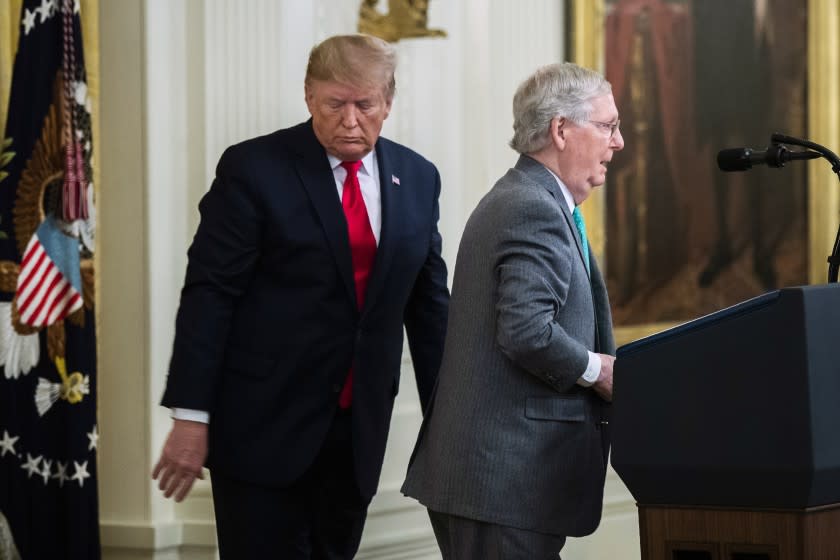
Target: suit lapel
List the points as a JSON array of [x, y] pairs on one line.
[[603, 317], [596, 284], [392, 209], [540, 174], [543, 176], [317, 178]]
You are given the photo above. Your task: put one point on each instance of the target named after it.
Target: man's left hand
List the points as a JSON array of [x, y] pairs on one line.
[[182, 458]]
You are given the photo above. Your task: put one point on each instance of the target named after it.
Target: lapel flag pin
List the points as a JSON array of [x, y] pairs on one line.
[[395, 179]]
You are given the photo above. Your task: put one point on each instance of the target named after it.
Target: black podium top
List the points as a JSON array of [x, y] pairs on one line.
[[737, 408]]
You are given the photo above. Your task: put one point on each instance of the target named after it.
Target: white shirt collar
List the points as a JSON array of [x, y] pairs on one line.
[[367, 162], [570, 201]]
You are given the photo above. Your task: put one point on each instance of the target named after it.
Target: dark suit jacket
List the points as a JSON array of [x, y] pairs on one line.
[[268, 324], [511, 439]]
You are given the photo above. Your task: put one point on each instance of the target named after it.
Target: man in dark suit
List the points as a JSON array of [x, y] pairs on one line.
[[512, 455], [317, 244]]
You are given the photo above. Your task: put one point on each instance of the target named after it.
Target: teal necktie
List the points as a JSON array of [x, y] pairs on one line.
[[584, 242]]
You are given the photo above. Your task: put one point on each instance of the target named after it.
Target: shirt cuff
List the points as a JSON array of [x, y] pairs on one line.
[[193, 415], [593, 371]]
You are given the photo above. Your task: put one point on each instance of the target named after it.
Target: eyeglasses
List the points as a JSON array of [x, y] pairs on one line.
[[612, 127]]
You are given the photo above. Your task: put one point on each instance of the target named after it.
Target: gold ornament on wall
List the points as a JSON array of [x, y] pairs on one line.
[[405, 19]]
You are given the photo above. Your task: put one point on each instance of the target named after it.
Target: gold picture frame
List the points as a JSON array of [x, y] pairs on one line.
[[587, 48]]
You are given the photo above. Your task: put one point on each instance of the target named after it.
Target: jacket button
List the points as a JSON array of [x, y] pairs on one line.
[[336, 388]]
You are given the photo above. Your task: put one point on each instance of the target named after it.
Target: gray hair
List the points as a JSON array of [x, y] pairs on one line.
[[556, 90], [357, 60]]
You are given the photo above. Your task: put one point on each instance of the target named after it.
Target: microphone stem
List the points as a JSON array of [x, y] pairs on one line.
[[834, 258], [778, 138]]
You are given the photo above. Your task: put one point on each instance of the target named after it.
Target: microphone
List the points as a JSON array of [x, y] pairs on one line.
[[741, 159]]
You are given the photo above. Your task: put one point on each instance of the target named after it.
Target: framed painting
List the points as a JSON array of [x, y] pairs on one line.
[[679, 238]]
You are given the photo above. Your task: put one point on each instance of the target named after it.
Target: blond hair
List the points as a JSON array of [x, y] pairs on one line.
[[357, 60]]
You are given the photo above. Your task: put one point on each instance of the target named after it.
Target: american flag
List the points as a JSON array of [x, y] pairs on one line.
[[49, 285]]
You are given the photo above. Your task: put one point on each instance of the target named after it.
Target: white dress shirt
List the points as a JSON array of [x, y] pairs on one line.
[[593, 368], [369, 182]]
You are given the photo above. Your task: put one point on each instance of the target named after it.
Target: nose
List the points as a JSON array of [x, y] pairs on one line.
[[348, 115], [617, 141]]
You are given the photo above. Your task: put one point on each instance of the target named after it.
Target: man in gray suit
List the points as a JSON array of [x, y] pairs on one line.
[[512, 455]]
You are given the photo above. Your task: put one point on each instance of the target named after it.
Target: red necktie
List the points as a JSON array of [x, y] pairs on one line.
[[362, 249]]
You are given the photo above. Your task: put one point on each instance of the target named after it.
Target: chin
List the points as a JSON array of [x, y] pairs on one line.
[[352, 153]]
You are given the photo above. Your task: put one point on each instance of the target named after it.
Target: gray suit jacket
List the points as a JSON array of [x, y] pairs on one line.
[[510, 438]]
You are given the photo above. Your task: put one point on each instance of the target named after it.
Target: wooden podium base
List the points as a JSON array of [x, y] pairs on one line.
[[695, 533]]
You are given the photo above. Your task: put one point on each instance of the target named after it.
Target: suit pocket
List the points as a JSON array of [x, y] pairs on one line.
[[559, 409]]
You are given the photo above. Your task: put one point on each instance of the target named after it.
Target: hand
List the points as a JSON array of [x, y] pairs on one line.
[[182, 458], [604, 385]]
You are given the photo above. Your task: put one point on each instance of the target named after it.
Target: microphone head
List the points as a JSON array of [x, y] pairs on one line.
[[734, 159]]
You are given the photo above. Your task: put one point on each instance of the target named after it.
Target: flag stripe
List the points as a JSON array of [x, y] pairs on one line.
[[29, 302], [28, 279], [68, 303], [29, 252], [44, 295], [28, 273], [39, 288], [57, 288]]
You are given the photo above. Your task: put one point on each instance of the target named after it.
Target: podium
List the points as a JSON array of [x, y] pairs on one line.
[[726, 430]]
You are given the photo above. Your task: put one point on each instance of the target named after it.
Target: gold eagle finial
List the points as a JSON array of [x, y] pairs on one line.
[[405, 19]]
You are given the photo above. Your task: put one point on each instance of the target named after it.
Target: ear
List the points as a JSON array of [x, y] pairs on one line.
[[388, 101], [558, 131], [308, 97]]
